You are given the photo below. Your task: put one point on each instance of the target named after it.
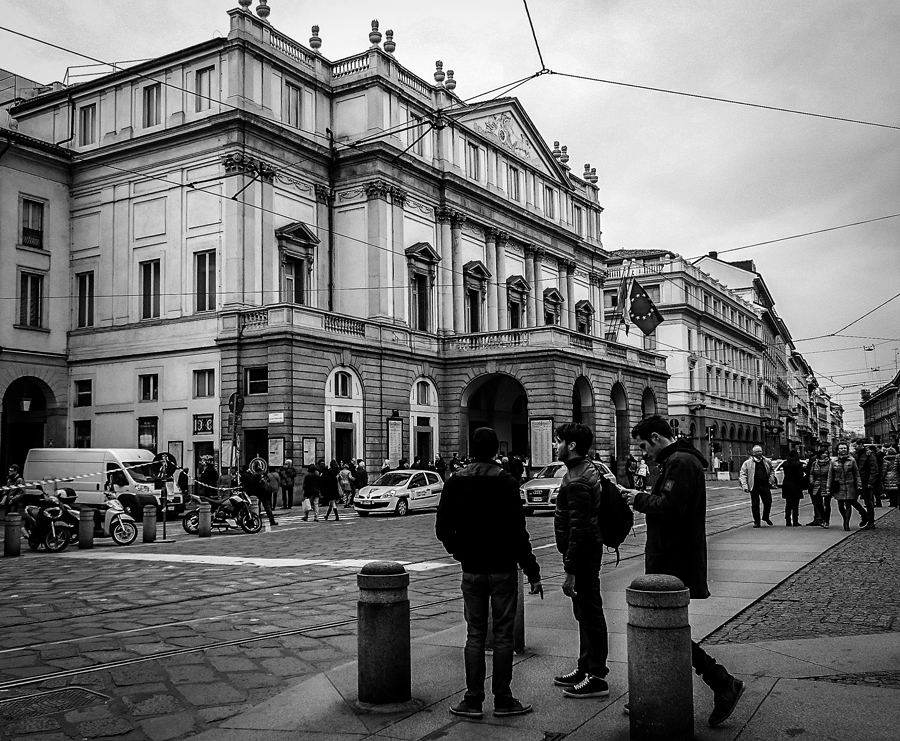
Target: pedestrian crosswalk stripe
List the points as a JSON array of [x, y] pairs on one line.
[[342, 563]]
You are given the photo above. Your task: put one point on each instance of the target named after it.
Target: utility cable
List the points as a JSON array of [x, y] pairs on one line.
[[534, 35]]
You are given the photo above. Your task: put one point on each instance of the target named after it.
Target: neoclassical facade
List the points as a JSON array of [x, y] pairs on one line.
[[375, 266]]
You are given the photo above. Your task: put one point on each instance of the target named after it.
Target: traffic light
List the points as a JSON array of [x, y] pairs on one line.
[[709, 434], [717, 447]]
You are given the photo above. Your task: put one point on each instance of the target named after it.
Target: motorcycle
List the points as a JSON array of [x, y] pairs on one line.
[[43, 525], [110, 519], [236, 508]]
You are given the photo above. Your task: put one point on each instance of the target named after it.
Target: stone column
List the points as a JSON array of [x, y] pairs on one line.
[[563, 291], [459, 309], [401, 288], [490, 258], [500, 277], [381, 268], [531, 318], [570, 294], [538, 288], [597, 279], [445, 272]]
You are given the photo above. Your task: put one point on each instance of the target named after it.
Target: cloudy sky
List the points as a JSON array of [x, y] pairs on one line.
[[675, 172]]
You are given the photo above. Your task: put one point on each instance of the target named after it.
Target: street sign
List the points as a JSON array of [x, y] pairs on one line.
[[235, 403]]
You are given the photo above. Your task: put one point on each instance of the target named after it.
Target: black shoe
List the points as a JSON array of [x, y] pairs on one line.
[[725, 703], [769, 523], [466, 710], [274, 524], [847, 526], [590, 686], [756, 524], [813, 523], [570, 679], [869, 526], [512, 707]]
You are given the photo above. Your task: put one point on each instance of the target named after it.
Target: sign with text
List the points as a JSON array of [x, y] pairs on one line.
[[276, 418], [309, 451], [276, 452], [395, 440], [542, 452], [203, 424]]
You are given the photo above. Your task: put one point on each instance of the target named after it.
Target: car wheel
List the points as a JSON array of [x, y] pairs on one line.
[[402, 508]]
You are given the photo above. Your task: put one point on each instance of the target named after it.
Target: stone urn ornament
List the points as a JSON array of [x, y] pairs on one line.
[[315, 43], [389, 43], [375, 34], [450, 83], [439, 72]]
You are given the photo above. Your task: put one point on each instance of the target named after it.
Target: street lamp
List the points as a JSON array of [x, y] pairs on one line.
[[25, 401]]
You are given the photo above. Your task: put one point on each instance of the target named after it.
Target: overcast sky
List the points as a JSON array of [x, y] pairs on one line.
[[676, 173]]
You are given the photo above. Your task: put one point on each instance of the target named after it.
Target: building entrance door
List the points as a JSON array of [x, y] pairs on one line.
[[343, 443], [256, 443]]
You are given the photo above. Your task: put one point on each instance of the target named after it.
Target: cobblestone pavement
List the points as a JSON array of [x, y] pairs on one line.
[[852, 589], [196, 635], [885, 680]]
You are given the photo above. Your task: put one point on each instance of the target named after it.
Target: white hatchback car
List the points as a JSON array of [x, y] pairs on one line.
[[400, 491]]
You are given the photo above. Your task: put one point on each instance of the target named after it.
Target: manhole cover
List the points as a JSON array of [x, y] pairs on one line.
[[46, 703]]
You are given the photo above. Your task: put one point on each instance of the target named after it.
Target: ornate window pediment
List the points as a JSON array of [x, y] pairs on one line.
[[296, 240], [517, 284], [553, 296], [423, 252], [476, 270], [297, 252], [584, 307]]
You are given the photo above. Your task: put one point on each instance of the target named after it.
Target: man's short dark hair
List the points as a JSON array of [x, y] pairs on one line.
[[575, 432], [484, 444], [648, 425]]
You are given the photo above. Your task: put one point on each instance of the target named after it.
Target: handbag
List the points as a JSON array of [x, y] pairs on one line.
[[306, 506]]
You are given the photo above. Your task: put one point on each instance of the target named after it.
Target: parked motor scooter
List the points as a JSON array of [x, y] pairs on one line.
[[110, 519], [43, 525], [235, 508]]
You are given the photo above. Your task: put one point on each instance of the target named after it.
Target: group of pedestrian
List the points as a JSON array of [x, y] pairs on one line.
[[492, 546], [637, 471], [846, 478]]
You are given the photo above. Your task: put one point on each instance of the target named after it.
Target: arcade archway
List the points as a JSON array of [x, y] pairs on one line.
[[622, 438], [498, 401], [583, 402], [24, 423]]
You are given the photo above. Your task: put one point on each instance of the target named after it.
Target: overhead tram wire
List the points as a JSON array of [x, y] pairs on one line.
[[858, 319], [534, 35]]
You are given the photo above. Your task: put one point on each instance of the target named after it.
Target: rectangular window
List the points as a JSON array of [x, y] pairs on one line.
[[204, 383], [256, 380], [148, 387], [205, 280], [87, 125], [549, 203], [690, 338], [31, 301], [610, 299], [421, 300], [472, 162], [653, 293], [343, 387], [203, 89], [32, 223], [513, 182], [474, 307], [152, 105], [578, 213], [82, 430], [85, 288], [515, 315], [84, 393], [650, 341], [417, 135], [148, 433], [294, 291], [150, 296], [293, 97]]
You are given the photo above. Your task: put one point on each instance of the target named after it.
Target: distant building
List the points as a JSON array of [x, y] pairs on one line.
[[881, 412], [375, 266]]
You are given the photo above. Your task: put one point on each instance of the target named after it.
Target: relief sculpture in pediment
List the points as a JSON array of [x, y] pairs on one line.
[[503, 127]]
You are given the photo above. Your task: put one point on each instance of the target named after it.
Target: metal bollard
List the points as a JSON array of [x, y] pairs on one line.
[[384, 673], [254, 505], [12, 535], [150, 523], [205, 520], [660, 686], [86, 528]]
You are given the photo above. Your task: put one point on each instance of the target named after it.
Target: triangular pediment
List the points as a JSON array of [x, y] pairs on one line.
[[584, 307], [423, 251], [517, 283], [553, 296], [297, 232], [506, 125], [476, 269]]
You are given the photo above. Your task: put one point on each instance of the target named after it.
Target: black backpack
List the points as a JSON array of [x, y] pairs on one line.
[[615, 517]]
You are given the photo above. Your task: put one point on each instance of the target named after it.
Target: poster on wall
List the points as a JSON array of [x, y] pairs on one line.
[[176, 448], [395, 441], [276, 452], [309, 451], [225, 458], [542, 452]]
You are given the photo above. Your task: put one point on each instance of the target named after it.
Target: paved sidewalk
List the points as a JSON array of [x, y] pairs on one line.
[[825, 685]]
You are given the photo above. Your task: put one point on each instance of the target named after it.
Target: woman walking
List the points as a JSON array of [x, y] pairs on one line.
[[792, 489], [311, 490], [346, 479], [844, 483], [331, 489], [819, 468], [890, 476]]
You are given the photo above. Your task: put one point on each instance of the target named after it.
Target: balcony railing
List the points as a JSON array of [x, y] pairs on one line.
[[33, 237], [349, 66], [288, 47]]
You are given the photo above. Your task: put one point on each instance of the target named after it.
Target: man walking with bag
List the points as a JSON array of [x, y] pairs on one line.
[[756, 479], [676, 538], [481, 523]]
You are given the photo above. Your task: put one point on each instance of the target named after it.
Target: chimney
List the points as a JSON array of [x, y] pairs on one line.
[[714, 255]]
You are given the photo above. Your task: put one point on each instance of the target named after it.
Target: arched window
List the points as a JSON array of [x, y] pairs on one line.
[[423, 394], [423, 421], [344, 416], [343, 385]]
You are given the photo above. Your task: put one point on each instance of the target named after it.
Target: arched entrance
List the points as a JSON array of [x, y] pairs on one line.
[[24, 419], [648, 403], [498, 401], [583, 402], [622, 438]]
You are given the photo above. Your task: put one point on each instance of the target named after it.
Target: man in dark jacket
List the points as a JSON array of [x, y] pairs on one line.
[[676, 538], [481, 523], [578, 540], [868, 474]]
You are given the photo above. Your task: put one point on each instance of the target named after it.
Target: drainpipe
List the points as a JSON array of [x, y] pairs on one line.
[[71, 123], [330, 204]]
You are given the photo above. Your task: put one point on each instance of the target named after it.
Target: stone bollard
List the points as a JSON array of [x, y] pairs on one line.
[[254, 505], [86, 528], [150, 523], [205, 520], [12, 535], [660, 686], [384, 674]]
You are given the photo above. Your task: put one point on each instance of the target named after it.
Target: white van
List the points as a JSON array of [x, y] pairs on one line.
[[87, 470]]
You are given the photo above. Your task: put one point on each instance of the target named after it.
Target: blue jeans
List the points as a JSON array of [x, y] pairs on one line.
[[500, 591]]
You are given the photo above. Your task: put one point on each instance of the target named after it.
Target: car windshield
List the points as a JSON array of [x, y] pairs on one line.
[[553, 471], [141, 472], [393, 478]]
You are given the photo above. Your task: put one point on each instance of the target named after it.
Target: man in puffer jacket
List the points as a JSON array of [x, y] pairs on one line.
[[481, 523], [579, 541], [890, 475]]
